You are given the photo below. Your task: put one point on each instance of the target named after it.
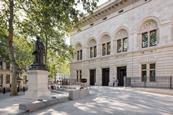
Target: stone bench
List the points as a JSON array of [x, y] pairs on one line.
[[42, 103], [78, 93]]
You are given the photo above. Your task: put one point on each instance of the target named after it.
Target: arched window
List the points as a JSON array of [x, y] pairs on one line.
[[79, 51], [106, 45], [92, 48], [149, 33], [122, 40]]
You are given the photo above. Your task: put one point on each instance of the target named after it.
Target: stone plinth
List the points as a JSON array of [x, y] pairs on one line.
[[37, 84]]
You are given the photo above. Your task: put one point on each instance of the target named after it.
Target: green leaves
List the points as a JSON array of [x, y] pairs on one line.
[[52, 20]]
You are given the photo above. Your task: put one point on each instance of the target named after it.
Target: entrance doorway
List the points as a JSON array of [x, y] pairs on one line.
[[92, 76], [105, 76], [121, 73]]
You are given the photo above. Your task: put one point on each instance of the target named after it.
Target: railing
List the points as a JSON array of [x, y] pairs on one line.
[[159, 82], [67, 83]]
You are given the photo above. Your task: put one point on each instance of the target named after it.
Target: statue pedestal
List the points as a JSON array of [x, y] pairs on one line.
[[37, 84]]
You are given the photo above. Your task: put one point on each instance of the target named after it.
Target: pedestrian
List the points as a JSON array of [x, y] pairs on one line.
[[117, 82], [23, 89]]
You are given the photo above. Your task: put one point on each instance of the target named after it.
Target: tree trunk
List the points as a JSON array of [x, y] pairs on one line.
[[11, 48], [46, 49]]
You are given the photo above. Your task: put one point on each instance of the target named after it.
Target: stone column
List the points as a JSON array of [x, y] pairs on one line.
[[112, 75], [98, 76], [37, 84]]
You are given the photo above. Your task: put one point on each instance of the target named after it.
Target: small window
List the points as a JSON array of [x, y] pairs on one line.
[[108, 48], [79, 55], [103, 49], [153, 38], [77, 75], [125, 44], [119, 45], [149, 32], [145, 40], [148, 70], [144, 73], [95, 51], [152, 72]]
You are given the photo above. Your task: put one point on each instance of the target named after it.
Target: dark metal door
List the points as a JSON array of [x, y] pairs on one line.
[[121, 73], [105, 76], [92, 77]]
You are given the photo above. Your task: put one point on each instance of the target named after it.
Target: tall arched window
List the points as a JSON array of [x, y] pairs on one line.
[[79, 51], [122, 40], [149, 33], [106, 45], [92, 48]]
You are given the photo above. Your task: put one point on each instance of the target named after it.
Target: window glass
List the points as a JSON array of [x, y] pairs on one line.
[[152, 75], [145, 40], [80, 54], [80, 75], [144, 66], [91, 52], [95, 51], [144, 72], [152, 72], [153, 38], [152, 66], [77, 75], [119, 45], [77, 55], [108, 48], [144, 76], [125, 45], [103, 49]]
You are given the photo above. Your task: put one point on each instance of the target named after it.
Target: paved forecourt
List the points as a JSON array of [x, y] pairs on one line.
[[114, 101], [103, 101]]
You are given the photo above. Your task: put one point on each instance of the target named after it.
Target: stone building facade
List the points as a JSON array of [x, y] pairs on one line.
[[5, 74], [125, 38], [6, 77]]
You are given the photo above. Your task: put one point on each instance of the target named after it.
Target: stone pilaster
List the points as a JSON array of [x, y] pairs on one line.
[[98, 76]]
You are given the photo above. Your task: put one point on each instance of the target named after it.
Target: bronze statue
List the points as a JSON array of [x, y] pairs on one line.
[[39, 55]]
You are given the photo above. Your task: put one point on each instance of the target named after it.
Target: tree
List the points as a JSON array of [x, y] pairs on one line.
[[46, 18]]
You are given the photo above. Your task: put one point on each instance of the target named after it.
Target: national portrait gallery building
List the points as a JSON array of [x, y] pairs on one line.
[[125, 39]]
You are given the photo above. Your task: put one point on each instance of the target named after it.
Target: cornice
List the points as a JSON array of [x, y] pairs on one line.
[[102, 12]]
